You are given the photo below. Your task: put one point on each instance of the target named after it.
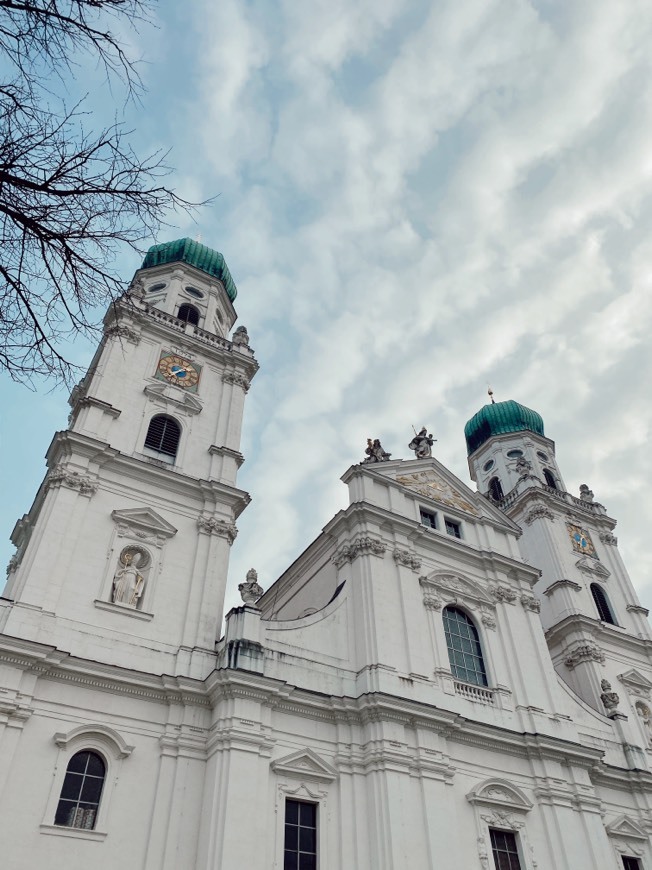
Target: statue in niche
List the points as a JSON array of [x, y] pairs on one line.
[[645, 716], [375, 452], [128, 580], [422, 444]]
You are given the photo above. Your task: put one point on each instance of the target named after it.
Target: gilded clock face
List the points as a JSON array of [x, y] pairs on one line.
[[179, 371], [581, 540]]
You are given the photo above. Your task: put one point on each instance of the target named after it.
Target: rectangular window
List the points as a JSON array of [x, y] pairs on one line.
[[631, 863], [300, 836], [504, 849], [428, 519], [453, 528]]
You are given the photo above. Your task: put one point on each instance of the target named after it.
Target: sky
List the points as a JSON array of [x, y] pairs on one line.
[[416, 199]]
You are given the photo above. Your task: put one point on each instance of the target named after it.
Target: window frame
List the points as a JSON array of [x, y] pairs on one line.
[[493, 829], [499, 486], [449, 648], [456, 524], [112, 749], [299, 827], [190, 307], [152, 452], [424, 512], [70, 804]]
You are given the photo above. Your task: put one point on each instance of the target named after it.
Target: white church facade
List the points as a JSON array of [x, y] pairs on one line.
[[446, 677]]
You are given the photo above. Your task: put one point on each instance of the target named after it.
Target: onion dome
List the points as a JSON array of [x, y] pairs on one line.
[[195, 254], [500, 418]]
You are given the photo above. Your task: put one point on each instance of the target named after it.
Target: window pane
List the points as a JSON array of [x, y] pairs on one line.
[[95, 765], [291, 837], [308, 814], [92, 790], [72, 785], [292, 812], [77, 763], [65, 813], [291, 861], [307, 862], [307, 839]]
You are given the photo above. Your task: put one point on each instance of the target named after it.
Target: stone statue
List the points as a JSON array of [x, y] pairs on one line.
[[645, 716], [375, 452], [523, 466], [241, 336], [586, 494], [250, 590], [128, 582], [609, 699], [422, 444]]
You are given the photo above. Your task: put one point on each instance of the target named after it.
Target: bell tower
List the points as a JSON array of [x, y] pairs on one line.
[[123, 556], [593, 620]]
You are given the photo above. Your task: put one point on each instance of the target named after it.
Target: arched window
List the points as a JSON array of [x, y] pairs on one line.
[[602, 604], [163, 435], [495, 489], [188, 313], [81, 792], [464, 650], [550, 480]]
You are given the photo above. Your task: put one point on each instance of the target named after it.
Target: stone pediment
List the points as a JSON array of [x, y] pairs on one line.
[[591, 566], [499, 794], [305, 764], [626, 828], [164, 394], [144, 520], [433, 485], [636, 683], [456, 586]]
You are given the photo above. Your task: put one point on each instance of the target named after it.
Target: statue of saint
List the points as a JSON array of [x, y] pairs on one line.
[[422, 444], [375, 452], [586, 494], [128, 582], [609, 698], [250, 590]]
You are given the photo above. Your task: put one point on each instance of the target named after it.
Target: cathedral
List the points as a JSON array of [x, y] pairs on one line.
[[448, 675]]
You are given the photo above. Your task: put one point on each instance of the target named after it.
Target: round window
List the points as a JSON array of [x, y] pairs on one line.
[[156, 287], [543, 456], [488, 465], [193, 291], [514, 454]]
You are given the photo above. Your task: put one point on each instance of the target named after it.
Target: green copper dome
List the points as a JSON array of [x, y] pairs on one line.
[[500, 418], [195, 254]]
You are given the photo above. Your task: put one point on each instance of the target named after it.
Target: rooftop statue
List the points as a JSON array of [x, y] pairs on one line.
[[375, 452], [422, 444]]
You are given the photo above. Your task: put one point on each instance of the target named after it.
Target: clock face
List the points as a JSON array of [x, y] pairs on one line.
[[178, 371], [581, 540]]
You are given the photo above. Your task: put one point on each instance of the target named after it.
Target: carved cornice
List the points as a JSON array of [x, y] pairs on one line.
[[122, 332], [163, 394], [214, 450], [361, 546], [410, 560], [215, 526], [637, 608], [61, 476], [563, 583], [142, 524], [591, 566], [238, 379], [583, 652], [609, 539]]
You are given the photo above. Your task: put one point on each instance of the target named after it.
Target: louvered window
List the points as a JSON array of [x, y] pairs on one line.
[[602, 604], [81, 792], [163, 435], [464, 650], [188, 313], [550, 480]]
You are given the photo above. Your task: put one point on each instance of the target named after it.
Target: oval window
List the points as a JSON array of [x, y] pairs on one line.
[[543, 456], [156, 287], [193, 291], [514, 454], [488, 465]]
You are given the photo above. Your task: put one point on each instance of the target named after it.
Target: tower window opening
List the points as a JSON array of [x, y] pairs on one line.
[[464, 650], [163, 435], [630, 863], [193, 291], [514, 454], [550, 480], [489, 464], [81, 791], [543, 456], [602, 604], [300, 852], [188, 313], [495, 489], [453, 528], [156, 287]]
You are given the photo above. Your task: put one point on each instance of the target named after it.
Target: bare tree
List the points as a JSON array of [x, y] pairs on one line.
[[69, 198]]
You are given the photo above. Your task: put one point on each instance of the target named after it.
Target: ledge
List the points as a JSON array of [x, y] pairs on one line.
[[123, 609], [77, 833]]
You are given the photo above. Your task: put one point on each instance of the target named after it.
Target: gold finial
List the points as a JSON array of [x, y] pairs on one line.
[[491, 395]]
